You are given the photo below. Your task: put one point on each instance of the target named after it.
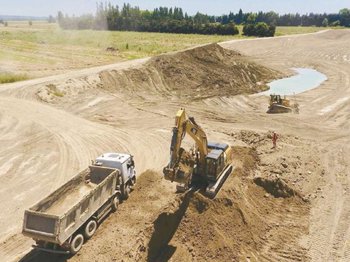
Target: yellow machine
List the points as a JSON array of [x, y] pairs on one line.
[[207, 165], [281, 105]]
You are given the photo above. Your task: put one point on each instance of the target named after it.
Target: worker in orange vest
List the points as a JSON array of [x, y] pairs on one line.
[[274, 139]]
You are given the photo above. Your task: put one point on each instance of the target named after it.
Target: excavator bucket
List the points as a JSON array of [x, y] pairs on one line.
[[181, 172], [177, 175]]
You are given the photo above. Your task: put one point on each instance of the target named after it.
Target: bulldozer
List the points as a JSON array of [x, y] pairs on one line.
[[206, 165], [281, 105]]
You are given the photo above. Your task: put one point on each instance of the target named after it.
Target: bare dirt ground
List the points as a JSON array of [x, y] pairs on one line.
[[289, 204]]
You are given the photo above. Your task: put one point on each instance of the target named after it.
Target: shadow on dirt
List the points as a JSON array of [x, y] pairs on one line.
[[165, 226], [39, 256]]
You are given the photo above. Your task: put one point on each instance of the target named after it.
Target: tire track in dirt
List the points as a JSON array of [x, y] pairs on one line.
[[75, 140]]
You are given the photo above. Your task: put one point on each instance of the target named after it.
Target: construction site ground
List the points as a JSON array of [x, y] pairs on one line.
[[284, 204]]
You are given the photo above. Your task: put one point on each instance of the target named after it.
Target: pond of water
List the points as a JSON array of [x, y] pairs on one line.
[[305, 79]]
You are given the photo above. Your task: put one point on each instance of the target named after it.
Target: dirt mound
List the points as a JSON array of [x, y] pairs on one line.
[[276, 187], [250, 156], [240, 223], [198, 73]]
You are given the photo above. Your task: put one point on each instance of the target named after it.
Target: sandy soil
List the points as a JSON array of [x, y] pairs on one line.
[[288, 204]]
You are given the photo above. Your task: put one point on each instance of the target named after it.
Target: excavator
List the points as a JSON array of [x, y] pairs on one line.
[[206, 165]]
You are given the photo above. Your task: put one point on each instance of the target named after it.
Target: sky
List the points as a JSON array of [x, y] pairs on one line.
[[211, 7]]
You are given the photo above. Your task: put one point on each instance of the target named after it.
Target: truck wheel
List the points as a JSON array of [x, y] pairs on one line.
[[76, 244], [133, 182], [90, 228], [127, 191], [115, 203]]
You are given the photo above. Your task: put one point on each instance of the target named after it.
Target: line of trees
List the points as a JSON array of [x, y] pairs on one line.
[[271, 18], [175, 20], [163, 19]]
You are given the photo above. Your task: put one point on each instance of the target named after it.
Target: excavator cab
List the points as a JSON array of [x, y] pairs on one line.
[[214, 164]]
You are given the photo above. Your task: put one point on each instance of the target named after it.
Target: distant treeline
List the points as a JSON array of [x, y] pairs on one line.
[[163, 19], [174, 20]]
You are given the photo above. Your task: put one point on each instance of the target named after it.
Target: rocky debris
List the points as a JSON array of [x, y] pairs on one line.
[[276, 187], [111, 49]]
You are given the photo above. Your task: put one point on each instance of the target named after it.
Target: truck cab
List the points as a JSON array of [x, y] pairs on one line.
[[126, 166]]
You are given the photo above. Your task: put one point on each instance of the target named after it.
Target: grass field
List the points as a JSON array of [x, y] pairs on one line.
[[44, 49], [292, 30], [10, 77]]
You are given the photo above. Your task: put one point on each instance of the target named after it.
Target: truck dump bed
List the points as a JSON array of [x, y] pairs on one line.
[[59, 215]]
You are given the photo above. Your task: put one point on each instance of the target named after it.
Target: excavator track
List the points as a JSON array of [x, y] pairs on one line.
[[214, 187]]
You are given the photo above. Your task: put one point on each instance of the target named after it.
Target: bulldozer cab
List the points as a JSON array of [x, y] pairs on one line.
[[275, 99]]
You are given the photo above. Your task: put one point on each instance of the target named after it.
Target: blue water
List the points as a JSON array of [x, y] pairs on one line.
[[305, 79]]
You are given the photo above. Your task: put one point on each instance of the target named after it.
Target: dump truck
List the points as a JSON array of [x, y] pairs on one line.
[[62, 221]]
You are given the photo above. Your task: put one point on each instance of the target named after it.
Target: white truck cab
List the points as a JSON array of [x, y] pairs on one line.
[[125, 164]]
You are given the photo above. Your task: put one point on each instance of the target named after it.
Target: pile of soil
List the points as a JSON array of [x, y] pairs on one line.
[[244, 222], [197, 73]]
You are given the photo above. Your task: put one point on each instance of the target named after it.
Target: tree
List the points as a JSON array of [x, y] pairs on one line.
[[51, 19], [344, 17], [239, 19], [249, 30], [251, 18], [30, 23], [325, 22], [270, 18], [335, 23], [60, 19], [260, 29]]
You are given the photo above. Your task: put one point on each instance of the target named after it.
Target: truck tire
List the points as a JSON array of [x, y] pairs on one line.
[[127, 191], [76, 243], [115, 203], [133, 182], [90, 228]]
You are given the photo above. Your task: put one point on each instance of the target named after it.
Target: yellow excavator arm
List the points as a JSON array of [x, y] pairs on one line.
[[184, 125]]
